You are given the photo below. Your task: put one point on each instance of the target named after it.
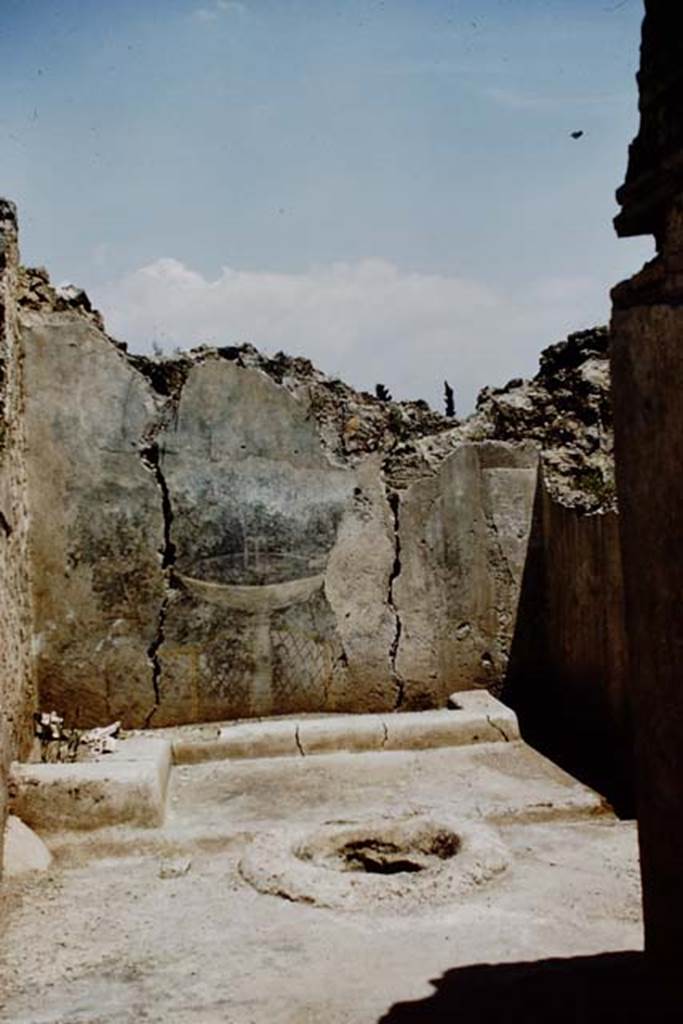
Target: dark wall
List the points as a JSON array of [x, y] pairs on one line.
[[17, 690], [647, 387], [568, 663]]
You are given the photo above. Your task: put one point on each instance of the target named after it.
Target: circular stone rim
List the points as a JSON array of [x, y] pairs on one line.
[[271, 865]]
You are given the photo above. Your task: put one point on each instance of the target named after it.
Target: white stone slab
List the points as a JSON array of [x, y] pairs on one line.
[[128, 786]]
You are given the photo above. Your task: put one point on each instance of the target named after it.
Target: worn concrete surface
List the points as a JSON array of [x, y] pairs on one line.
[[105, 938], [127, 786]]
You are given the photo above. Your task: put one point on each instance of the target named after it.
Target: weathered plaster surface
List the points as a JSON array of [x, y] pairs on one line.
[[358, 586], [225, 534], [255, 506], [97, 524], [463, 536], [204, 549]]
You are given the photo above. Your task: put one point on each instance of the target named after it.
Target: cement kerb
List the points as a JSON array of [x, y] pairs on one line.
[[477, 717], [128, 786]]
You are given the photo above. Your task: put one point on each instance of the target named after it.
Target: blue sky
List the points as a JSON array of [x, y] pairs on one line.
[[388, 187]]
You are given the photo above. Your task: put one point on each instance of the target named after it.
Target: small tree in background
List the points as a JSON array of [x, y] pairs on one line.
[[383, 393], [449, 398]]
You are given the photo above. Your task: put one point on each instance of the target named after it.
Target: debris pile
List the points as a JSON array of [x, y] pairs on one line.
[[59, 743]]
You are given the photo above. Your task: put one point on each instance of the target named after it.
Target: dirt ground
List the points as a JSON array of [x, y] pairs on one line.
[[160, 925]]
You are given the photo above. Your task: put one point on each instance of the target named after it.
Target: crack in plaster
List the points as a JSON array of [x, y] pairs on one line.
[[151, 459], [394, 504], [297, 740], [155, 661], [498, 728]]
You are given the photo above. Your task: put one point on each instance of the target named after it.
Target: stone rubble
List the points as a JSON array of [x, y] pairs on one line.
[[564, 410], [37, 293]]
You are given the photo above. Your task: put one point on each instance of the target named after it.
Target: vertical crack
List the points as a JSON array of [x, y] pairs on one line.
[[167, 378], [151, 459], [150, 456], [394, 504], [297, 740], [155, 661]]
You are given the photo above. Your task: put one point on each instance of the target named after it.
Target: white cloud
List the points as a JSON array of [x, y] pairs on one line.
[[219, 8], [366, 322]]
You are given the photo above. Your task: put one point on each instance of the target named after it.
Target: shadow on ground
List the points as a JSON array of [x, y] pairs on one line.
[[610, 987]]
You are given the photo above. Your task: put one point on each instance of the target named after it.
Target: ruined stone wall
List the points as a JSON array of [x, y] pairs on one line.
[[567, 671], [16, 672], [223, 535], [647, 375]]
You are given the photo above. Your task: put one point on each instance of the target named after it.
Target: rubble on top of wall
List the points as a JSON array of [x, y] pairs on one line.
[[352, 424], [37, 293], [565, 409]]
